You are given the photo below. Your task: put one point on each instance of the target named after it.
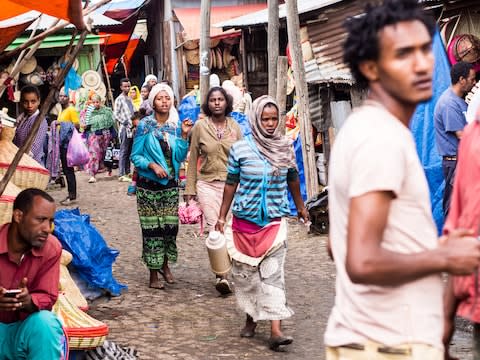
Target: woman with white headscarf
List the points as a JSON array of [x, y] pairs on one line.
[[260, 169], [158, 151]]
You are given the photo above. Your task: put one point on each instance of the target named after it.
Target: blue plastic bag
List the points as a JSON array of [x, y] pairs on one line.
[[72, 80], [189, 109], [92, 258], [242, 120]]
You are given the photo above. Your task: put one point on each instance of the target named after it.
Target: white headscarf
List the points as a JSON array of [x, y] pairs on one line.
[[214, 80], [234, 92], [173, 116], [148, 78]]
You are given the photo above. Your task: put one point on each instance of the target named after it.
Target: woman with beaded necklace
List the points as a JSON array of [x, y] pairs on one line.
[[211, 140]]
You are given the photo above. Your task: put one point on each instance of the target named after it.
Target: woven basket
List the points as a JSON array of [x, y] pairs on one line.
[[67, 284], [28, 173], [6, 202], [83, 331]]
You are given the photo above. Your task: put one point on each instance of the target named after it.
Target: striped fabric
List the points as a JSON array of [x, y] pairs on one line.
[[262, 194], [111, 351]]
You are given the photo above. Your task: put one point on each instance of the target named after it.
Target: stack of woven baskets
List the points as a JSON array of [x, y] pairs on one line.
[[82, 330], [28, 173]]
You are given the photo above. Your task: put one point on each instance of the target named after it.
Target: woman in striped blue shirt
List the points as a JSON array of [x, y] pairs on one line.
[[260, 170]]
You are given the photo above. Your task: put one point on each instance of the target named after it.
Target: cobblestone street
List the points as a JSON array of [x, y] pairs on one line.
[[189, 320]]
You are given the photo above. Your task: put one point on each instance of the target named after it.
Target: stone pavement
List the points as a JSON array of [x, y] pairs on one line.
[[189, 320]]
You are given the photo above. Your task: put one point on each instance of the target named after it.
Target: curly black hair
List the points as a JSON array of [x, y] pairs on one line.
[[206, 110], [362, 31]]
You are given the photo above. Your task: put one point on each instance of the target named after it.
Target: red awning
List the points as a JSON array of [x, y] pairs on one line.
[[70, 10], [11, 33], [190, 18]]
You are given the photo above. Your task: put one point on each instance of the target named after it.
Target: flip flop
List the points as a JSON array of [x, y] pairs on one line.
[[274, 343], [168, 279]]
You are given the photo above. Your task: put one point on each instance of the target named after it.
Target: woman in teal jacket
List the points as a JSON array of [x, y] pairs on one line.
[[158, 151]]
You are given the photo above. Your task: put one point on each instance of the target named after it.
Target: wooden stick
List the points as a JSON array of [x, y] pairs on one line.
[[43, 111], [282, 68], [204, 49], [301, 89], [109, 87], [273, 45], [48, 32]]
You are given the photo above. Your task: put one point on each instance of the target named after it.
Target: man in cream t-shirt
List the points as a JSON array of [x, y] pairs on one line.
[[388, 302]]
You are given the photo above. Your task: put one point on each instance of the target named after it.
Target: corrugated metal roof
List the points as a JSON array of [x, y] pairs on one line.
[[326, 36], [190, 17], [261, 17], [47, 21]]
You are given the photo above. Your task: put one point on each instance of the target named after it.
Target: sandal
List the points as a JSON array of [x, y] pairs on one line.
[[274, 343]]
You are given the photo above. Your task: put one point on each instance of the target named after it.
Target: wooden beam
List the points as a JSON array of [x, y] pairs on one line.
[[243, 51], [204, 49], [282, 68], [273, 44], [308, 148], [48, 32]]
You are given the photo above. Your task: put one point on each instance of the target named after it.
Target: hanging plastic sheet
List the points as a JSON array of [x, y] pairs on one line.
[[297, 146], [92, 258], [189, 109], [424, 132]]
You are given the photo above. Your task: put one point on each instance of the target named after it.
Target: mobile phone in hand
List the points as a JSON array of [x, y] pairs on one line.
[[12, 292]]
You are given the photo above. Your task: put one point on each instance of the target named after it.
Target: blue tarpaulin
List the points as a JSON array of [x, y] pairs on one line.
[[424, 133], [92, 258]]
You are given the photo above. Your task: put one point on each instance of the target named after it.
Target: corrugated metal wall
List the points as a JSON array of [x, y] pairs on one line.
[[327, 35]]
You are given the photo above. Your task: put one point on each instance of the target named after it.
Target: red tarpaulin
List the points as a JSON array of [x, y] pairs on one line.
[[70, 10], [11, 33], [119, 36]]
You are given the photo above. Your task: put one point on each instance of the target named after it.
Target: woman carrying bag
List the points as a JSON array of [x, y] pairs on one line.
[[260, 169], [211, 141]]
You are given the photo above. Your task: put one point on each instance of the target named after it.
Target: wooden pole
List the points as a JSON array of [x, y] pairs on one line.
[[48, 32], [204, 49], [273, 44], [282, 68], [109, 86], [43, 111], [301, 89], [243, 51]]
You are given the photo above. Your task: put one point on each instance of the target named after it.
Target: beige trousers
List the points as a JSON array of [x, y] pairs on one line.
[[371, 352]]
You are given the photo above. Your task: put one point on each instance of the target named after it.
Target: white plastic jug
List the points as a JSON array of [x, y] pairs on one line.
[[220, 262]]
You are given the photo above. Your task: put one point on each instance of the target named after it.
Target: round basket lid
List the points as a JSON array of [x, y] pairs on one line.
[[467, 48], [29, 66], [218, 54], [214, 42], [227, 57], [192, 56], [101, 90], [191, 44], [91, 79], [34, 79]]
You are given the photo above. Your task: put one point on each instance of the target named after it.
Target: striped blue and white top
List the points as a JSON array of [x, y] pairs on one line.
[[261, 195]]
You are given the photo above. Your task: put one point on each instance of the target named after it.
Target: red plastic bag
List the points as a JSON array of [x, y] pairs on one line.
[[77, 151]]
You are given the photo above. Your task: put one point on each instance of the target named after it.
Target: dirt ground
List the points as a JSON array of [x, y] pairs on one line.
[[189, 320]]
